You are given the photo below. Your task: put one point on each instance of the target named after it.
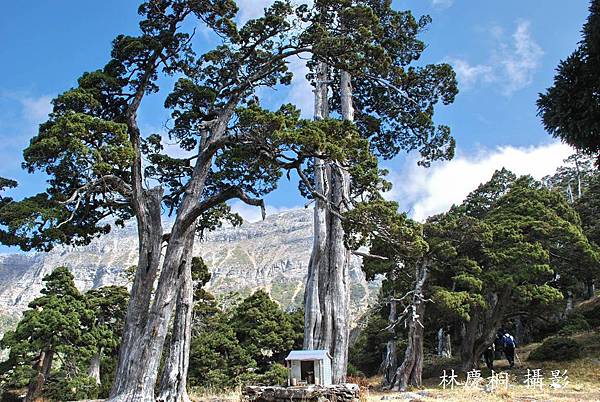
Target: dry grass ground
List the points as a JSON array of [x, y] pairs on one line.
[[584, 379], [207, 395]]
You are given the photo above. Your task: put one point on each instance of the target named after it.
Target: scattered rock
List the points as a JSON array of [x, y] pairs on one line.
[[312, 393], [412, 396]]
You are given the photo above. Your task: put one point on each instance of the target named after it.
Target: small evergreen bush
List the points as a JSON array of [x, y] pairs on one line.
[[573, 324], [557, 349], [591, 313], [63, 388]]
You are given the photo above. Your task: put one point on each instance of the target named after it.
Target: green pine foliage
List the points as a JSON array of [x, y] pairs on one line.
[[513, 246], [558, 348], [570, 109], [245, 344], [71, 327], [588, 207]]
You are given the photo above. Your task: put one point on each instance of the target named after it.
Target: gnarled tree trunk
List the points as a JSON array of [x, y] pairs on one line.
[[590, 287], [411, 369], [339, 255], [569, 302], [42, 367], [150, 233], [318, 258], [139, 383], [173, 383], [94, 369], [390, 362], [336, 292], [444, 347], [327, 289], [481, 330], [467, 346]]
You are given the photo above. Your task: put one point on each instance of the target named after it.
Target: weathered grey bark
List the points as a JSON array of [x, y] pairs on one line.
[[318, 258], [146, 204], [338, 253], [173, 383], [140, 384], [481, 330], [569, 302], [444, 347], [94, 369], [327, 288], [147, 320], [336, 293], [522, 331], [42, 367], [145, 355], [390, 362], [411, 370], [149, 247], [467, 345]]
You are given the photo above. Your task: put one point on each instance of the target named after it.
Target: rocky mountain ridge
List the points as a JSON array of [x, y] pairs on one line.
[[272, 254]]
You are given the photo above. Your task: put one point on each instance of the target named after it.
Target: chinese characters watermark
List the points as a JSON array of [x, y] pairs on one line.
[[534, 379]]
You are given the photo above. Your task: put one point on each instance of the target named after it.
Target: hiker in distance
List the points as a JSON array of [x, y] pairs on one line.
[[509, 345]]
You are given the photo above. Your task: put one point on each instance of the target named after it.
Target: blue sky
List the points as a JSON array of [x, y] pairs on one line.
[[504, 52]]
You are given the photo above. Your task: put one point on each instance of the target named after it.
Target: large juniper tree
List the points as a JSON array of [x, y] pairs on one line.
[[92, 149], [391, 103], [398, 251], [535, 245]]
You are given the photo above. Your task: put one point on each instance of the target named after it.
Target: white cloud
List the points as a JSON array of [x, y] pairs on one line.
[[424, 192], [510, 66], [469, 75], [253, 214], [301, 92], [36, 110], [521, 60], [442, 3], [18, 126]]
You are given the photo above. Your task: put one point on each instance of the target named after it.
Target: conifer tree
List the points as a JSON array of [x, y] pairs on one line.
[[570, 109], [588, 207], [535, 239], [109, 305], [391, 102], [92, 149], [54, 323]]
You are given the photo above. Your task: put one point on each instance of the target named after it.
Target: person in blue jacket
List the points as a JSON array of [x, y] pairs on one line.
[[509, 344]]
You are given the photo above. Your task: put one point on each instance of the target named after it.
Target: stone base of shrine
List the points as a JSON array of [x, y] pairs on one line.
[[312, 393]]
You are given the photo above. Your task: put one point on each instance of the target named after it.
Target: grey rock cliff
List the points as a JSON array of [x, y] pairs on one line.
[[272, 254]]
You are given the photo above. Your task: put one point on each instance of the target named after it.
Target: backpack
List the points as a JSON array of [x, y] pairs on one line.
[[509, 341]]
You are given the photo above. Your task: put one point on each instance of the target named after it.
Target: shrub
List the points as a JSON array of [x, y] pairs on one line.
[[276, 375], [63, 388], [354, 372], [557, 349], [574, 323], [591, 312]]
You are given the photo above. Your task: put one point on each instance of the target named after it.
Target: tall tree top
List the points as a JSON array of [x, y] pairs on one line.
[[570, 108], [100, 164]]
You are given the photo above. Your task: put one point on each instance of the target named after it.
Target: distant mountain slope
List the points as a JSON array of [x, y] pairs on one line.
[[272, 254]]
